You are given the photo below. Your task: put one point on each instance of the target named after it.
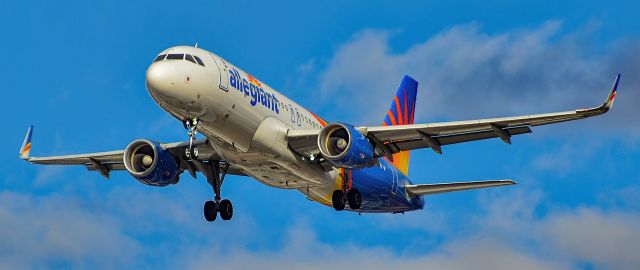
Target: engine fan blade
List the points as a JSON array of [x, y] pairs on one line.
[[332, 146]]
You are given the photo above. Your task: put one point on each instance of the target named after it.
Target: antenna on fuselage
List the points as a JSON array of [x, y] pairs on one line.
[[196, 45]]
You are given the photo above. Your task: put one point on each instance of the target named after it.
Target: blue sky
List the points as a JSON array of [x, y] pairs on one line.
[[76, 71]]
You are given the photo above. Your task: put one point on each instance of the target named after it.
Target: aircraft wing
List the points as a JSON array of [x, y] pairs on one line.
[[105, 162], [393, 139], [429, 189]]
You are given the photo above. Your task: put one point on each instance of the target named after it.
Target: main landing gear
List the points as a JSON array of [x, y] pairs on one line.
[[347, 195], [216, 172], [191, 125]]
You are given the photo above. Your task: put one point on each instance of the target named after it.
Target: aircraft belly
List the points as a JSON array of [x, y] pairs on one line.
[[272, 170]]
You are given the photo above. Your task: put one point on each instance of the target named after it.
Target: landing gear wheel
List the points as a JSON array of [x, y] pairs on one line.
[[215, 171], [354, 198], [192, 126], [338, 200], [226, 209], [191, 153], [210, 211]]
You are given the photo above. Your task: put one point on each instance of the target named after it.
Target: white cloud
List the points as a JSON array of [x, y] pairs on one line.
[[40, 232], [608, 239], [466, 73], [508, 236], [302, 250], [506, 232]]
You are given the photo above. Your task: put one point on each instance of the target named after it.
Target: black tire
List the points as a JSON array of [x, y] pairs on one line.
[[210, 211], [226, 209], [354, 198], [191, 153], [337, 199]]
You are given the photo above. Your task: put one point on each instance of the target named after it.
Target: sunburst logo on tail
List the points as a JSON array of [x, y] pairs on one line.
[[401, 112]]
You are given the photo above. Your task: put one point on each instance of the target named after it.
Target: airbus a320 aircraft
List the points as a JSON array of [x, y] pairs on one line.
[[252, 130]]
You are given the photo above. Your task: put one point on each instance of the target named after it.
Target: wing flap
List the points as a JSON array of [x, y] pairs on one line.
[[429, 189], [398, 146]]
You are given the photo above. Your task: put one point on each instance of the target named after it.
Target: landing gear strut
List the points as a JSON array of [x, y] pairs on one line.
[[349, 195], [191, 125], [215, 172]]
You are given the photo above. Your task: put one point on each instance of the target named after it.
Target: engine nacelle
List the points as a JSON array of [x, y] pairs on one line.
[[345, 147], [147, 162]]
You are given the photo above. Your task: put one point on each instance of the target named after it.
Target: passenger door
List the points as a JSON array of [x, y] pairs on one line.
[[224, 72]]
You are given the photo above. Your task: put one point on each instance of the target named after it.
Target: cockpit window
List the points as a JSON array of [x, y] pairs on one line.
[[199, 61], [189, 58], [175, 56], [160, 57]]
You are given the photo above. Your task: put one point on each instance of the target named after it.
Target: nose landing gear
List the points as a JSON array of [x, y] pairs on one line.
[[191, 125], [215, 172]]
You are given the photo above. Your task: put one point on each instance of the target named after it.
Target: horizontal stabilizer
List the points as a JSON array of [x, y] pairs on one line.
[[428, 189]]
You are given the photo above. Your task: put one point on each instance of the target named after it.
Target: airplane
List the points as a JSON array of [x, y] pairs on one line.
[[252, 130]]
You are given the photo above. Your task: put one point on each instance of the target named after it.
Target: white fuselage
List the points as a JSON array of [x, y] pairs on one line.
[[245, 120]]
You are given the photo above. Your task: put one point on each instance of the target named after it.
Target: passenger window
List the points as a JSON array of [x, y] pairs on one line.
[[175, 56], [198, 60], [160, 57], [189, 58]]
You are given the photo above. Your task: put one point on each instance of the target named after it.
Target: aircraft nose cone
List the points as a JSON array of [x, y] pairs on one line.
[[162, 79]]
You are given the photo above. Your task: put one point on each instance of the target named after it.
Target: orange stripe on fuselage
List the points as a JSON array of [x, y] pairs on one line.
[[322, 122]]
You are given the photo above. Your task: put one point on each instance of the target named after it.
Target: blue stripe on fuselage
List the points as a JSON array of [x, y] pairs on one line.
[[380, 193]]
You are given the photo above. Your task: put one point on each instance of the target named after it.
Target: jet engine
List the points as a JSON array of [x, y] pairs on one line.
[[345, 147], [150, 164]]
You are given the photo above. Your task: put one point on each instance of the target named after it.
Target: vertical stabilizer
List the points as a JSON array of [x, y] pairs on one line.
[[401, 112]]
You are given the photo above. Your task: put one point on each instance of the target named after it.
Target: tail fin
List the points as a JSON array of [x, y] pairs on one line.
[[401, 112], [26, 144]]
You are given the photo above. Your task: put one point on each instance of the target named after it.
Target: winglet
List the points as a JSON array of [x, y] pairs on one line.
[[606, 106], [612, 95], [26, 145]]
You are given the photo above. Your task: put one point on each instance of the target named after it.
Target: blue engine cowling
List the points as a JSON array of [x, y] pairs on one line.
[[345, 147], [150, 164]]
